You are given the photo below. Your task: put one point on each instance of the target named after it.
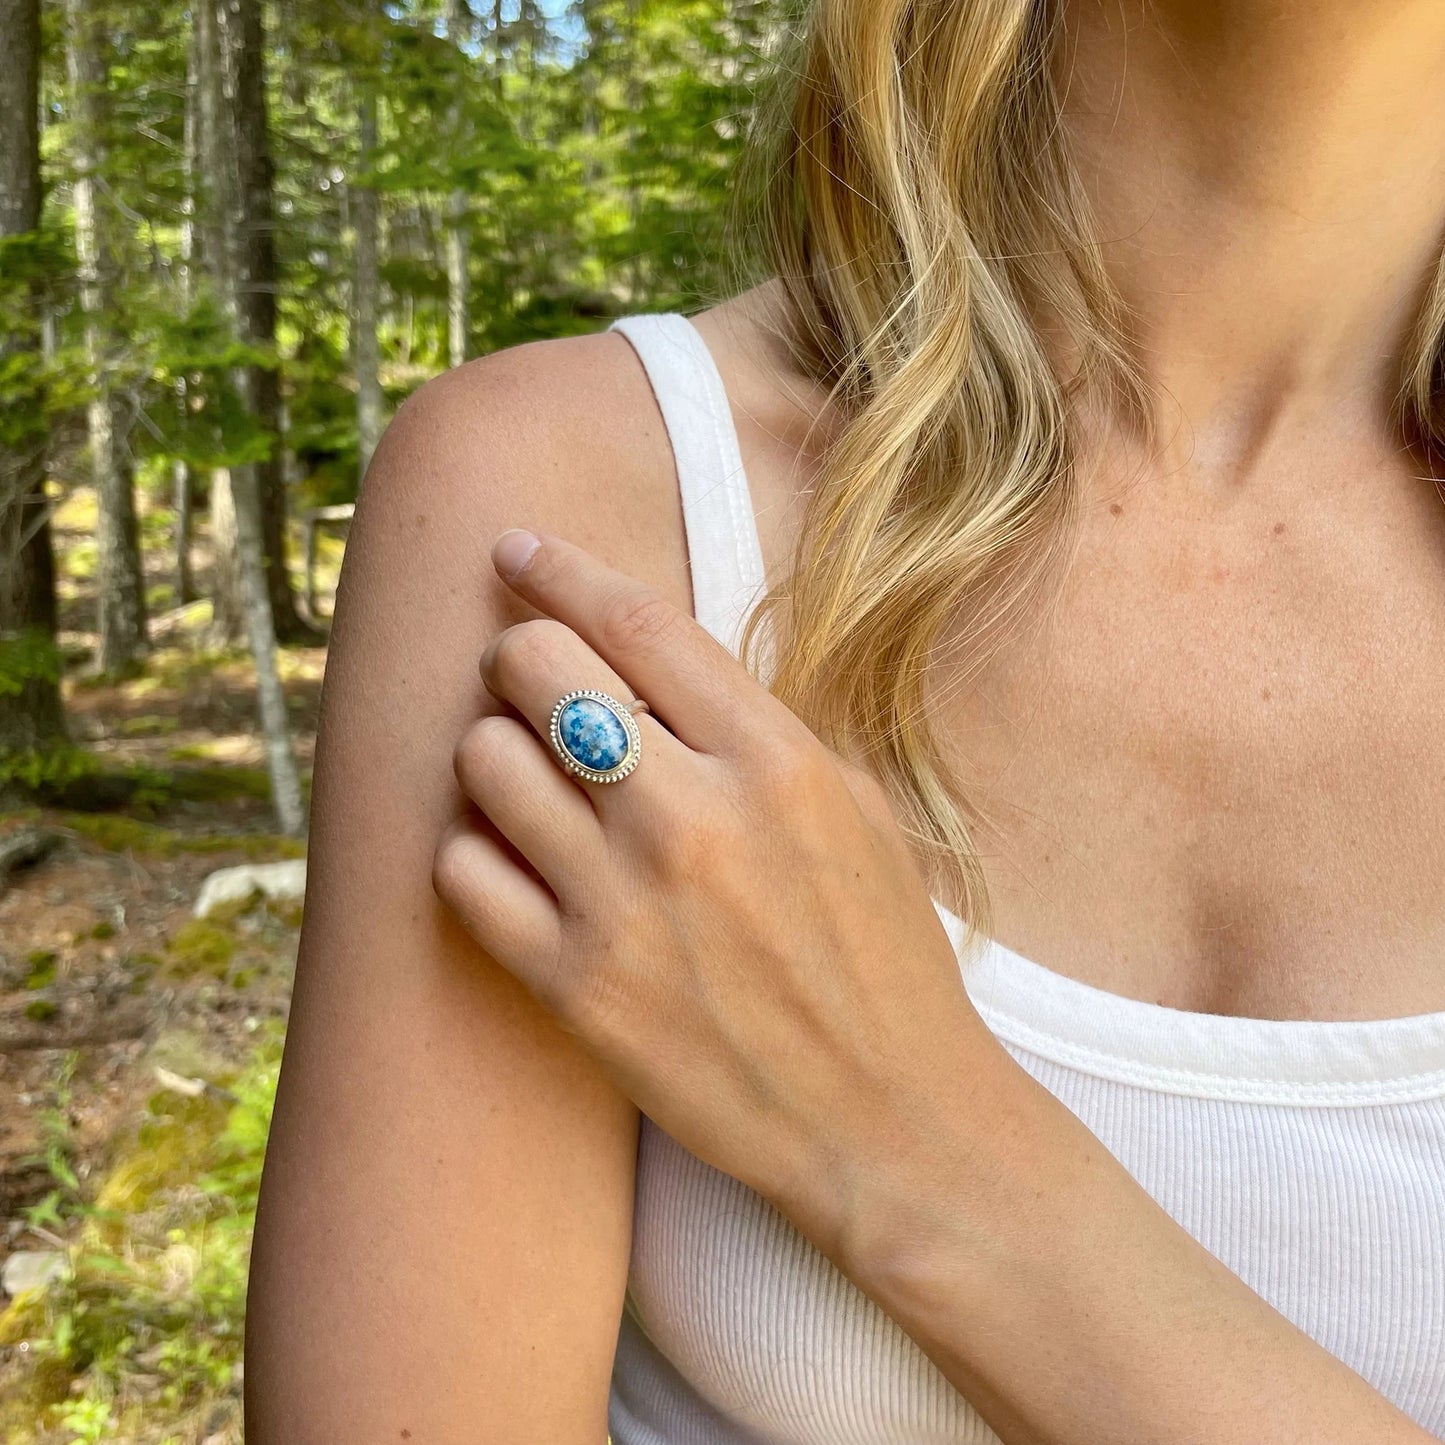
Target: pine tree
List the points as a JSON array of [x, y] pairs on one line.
[[120, 584], [31, 718], [366, 287], [252, 235]]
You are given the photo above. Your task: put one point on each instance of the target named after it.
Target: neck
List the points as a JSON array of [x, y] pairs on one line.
[[1268, 180]]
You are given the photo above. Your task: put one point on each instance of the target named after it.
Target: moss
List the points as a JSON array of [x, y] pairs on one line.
[[40, 1010], [223, 915], [286, 911], [193, 753], [179, 668], [200, 946], [42, 969], [142, 967], [117, 833], [218, 784], [172, 1146], [104, 929], [46, 771], [152, 1310], [148, 725]]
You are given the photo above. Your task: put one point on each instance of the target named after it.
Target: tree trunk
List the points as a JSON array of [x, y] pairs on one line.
[[261, 629], [30, 710], [457, 308], [228, 598], [212, 181], [459, 24], [213, 148], [366, 288], [238, 532], [120, 586], [181, 483], [254, 239]]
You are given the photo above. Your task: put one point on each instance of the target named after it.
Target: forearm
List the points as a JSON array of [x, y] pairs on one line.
[[1063, 1302]]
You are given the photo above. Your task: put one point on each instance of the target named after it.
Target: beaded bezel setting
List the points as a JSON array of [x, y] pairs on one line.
[[585, 744]]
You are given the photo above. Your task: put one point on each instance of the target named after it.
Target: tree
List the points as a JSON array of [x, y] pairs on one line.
[[252, 234], [366, 286], [238, 272], [121, 585], [216, 206], [460, 28], [181, 474], [31, 718]]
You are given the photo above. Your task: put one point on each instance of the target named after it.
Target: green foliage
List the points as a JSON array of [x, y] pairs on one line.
[[46, 771], [42, 969], [200, 946], [585, 154], [158, 725], [118, 833], [150, 1311], [26, 657], [35, 266]]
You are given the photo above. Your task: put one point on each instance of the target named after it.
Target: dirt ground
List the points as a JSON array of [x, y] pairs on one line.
[[110, 989]]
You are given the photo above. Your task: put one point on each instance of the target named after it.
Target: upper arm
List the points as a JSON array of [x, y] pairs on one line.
[[442, 1243]]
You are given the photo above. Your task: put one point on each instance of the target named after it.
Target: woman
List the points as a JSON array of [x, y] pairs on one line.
[[1084, 438]]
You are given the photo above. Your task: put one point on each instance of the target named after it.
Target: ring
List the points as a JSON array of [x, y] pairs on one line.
[[594, 735]]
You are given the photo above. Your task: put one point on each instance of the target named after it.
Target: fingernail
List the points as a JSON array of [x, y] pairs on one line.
[[513, 550]]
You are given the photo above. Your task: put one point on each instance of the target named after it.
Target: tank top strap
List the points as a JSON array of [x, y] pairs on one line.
[[724, 555]]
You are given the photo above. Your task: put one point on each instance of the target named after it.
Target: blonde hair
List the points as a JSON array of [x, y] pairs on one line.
[[934, 242]]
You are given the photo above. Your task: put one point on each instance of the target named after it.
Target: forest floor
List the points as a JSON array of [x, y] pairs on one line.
[[138, 1043]]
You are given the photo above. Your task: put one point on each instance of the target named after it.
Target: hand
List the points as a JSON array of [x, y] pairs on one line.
[[737, 928]]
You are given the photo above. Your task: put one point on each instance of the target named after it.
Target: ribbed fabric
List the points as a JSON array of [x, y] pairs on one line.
[[1308, 1156]]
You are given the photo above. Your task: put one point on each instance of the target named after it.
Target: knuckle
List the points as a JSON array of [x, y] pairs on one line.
[[637, 621], [793, 764], [479, 748], [525, 648], [450, 874]]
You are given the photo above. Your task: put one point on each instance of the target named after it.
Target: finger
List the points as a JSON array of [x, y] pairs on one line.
[[506, 770], [508, 912], [532, 664], [692, 682]]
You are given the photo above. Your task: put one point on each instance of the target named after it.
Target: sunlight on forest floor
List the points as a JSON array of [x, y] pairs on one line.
[[139, 1044]]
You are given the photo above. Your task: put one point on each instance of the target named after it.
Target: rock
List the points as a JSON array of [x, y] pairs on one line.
[[31, 1269], [24, 849], [179, 1083], [280, 882]]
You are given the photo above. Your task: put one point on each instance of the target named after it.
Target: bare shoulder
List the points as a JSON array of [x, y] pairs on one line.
[[559, 434], [444, 1232]]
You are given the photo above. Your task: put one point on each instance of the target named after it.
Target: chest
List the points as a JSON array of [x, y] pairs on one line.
[[1208, 762]]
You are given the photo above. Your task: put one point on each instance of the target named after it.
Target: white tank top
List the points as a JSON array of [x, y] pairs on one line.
[[1308, 1156]]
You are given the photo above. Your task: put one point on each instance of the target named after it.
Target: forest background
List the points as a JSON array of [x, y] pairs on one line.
[[233, 238]]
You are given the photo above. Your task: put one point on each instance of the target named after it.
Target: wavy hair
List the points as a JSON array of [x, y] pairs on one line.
[[918, 203]]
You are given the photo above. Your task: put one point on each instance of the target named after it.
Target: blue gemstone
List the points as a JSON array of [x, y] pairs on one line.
[[593, 734]]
